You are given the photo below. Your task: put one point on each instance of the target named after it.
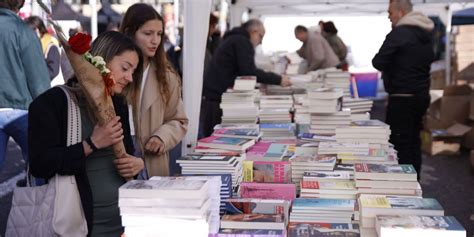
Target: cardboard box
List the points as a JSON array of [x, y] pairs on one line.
[[443, 141], [438, 80], [452, 108]]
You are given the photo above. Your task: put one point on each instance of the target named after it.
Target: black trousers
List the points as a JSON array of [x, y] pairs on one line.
[[209, 117], [405, 117]]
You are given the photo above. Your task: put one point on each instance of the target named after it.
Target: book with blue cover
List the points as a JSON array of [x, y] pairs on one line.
[[323, 204]]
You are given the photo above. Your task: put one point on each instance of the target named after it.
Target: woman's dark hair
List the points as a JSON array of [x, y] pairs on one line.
[[329, 27], [36, 22], [135, 17]]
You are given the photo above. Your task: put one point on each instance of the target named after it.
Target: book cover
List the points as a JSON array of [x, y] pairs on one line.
[[253, 218], [243, 133], [260, 206], [266, 171], [324, 204], [384, 168], [419, 222], [268, 191]]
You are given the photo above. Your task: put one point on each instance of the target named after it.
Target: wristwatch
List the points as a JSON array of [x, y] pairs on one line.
[[91, 144]]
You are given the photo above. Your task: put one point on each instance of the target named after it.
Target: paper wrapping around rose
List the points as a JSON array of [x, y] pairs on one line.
[[93, 85]]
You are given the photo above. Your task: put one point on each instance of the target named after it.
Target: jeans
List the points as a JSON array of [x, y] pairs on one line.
[[405, 117], [13, 123]]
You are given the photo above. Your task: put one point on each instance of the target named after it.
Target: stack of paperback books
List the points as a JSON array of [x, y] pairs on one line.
[[338, 79], [322, 210], [387, 179], [369, 131], [239, 107], [199, 164], [414, 226], [357, 105], [375, 205], [157, 207]]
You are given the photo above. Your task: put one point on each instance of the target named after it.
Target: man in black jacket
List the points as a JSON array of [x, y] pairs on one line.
[[404, 60], [234, 57]]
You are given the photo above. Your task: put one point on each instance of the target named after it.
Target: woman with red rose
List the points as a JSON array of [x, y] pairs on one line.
[[158, 111], [92, 161]]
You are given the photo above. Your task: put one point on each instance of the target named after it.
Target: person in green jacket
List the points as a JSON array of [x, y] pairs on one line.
[[23, 76]]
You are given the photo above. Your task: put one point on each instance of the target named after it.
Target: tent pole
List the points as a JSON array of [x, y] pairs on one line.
[[448, 44], [94, 30]]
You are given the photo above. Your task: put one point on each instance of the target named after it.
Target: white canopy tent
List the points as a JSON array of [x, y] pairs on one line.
[[197, 11]]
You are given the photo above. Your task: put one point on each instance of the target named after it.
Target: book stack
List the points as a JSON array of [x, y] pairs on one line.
[[357, 105], [274, 115], [239, 107], [249, 233], [156, 207], [226, 190], [414, 226], [276, 101], [373, 153], [300, 80], [387, 179], [334, 189], [324, 100], [245, 83], [338, 79], [374, 205], [306, 148], [326, 124], [322, 210], [302, 164], [199, 164], [301, 106], [368, 131], [297, 229], [262, 171], [277, 131]]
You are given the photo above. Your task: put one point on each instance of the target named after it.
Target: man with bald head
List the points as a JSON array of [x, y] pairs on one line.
[[404, 60], [234, 57]]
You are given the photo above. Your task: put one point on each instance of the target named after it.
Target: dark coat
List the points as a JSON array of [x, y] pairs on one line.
[[405, 59], [48, 153], [234, 57]]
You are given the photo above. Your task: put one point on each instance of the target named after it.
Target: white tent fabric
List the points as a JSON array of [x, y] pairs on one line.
[[196, 18]]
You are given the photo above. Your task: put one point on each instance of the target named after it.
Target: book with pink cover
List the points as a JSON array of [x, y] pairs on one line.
[[268, 191], [267, 171]]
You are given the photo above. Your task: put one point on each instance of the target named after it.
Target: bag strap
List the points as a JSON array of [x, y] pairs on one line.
[[74, 128]]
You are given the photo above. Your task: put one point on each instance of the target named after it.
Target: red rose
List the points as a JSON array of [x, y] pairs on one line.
[[80, 43]]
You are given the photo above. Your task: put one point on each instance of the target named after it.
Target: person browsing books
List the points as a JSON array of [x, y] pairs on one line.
[[160, 122], [97, 171], [234, 57], [404, 60]]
